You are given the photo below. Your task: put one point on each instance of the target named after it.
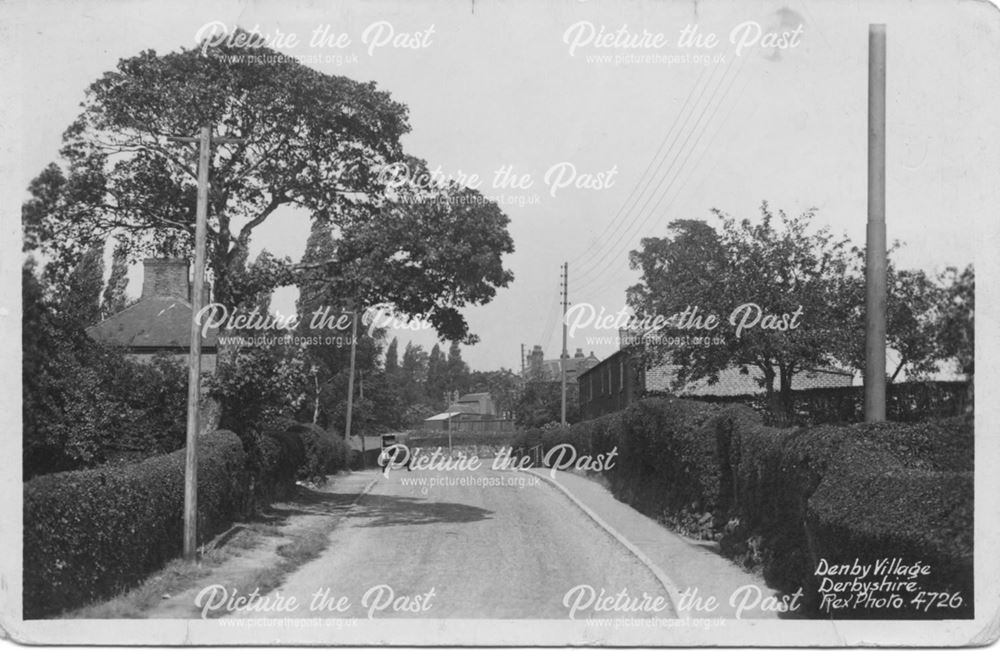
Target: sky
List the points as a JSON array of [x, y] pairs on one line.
[[495, 84]]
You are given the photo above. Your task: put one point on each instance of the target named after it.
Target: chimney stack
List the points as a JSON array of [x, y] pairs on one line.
[[169, 277], [165, 277]]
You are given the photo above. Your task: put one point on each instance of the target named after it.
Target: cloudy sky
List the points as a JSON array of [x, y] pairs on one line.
[[525, 86]]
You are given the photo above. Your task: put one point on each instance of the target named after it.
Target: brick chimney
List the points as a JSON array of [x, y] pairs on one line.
[[165, 277]]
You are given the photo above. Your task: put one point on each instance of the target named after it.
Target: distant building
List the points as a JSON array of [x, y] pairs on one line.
[[160, 321], [611, 385], [472, 412], [539, 369], [480, 404]]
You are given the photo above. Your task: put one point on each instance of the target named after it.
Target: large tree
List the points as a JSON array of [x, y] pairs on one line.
[[115, 299], [913, 315], [80, 298], [458, 370], [319, 143], [778, 263], [437, 379], [957, 327]]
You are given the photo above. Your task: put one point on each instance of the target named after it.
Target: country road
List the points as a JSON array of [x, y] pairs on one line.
[[503, 546]]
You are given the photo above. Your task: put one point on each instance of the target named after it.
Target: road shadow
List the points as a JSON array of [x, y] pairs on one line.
[[382, 510], [390, 511], [308, 501]]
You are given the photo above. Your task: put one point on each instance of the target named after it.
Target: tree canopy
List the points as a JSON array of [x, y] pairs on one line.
[[783, 264], [310, 141]]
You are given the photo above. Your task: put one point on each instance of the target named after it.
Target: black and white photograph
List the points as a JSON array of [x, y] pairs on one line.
[[615, 323]]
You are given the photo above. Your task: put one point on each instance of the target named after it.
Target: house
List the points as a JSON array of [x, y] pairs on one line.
[[472, 412], [611, 385], [621, 379], [160, 321], [550, 370], [480, 404]]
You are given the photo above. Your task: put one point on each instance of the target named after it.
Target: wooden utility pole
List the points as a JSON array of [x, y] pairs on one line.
[[875, 261], [204, 140], [448, 414], [350, 382], [565, 350]]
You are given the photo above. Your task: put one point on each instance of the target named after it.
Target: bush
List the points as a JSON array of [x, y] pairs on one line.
[[95, 405], [324, 452], [92, 533], [274, 459]]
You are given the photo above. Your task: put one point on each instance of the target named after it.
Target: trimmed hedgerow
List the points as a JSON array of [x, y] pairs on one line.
[[92, 533], [666, 467], [781, 499], [916, 515], [840, 493]]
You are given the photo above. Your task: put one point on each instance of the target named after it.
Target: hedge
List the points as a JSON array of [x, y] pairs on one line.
[[90, 534], [274, 460], [780, 500]]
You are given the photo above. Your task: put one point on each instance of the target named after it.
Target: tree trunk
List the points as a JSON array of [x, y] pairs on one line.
[[773, 399], [316, 401], [787, 399], [899, 368]]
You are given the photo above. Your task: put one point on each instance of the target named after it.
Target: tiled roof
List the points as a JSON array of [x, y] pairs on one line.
[[153, 323], [473, 403], [734, 382]]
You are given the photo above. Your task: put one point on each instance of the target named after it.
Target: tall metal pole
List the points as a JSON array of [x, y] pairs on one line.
[[875, 263], [194, 358], [565, 351]]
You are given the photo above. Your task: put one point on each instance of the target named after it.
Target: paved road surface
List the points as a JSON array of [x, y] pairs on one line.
[[487, 551]]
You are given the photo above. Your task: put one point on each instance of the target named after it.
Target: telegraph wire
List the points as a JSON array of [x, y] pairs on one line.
[[671, 174], [624, 235], [619, 276], [600, 238]]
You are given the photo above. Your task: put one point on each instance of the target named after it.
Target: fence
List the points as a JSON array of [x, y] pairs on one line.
[[477, 426]]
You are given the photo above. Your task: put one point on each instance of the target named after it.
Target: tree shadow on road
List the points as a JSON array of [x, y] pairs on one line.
[[383, 511], [308, 501], [387, 511]]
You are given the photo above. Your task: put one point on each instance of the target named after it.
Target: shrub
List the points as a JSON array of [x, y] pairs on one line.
[[274, 459], [95, 405], [324, 452], [92, 533]]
